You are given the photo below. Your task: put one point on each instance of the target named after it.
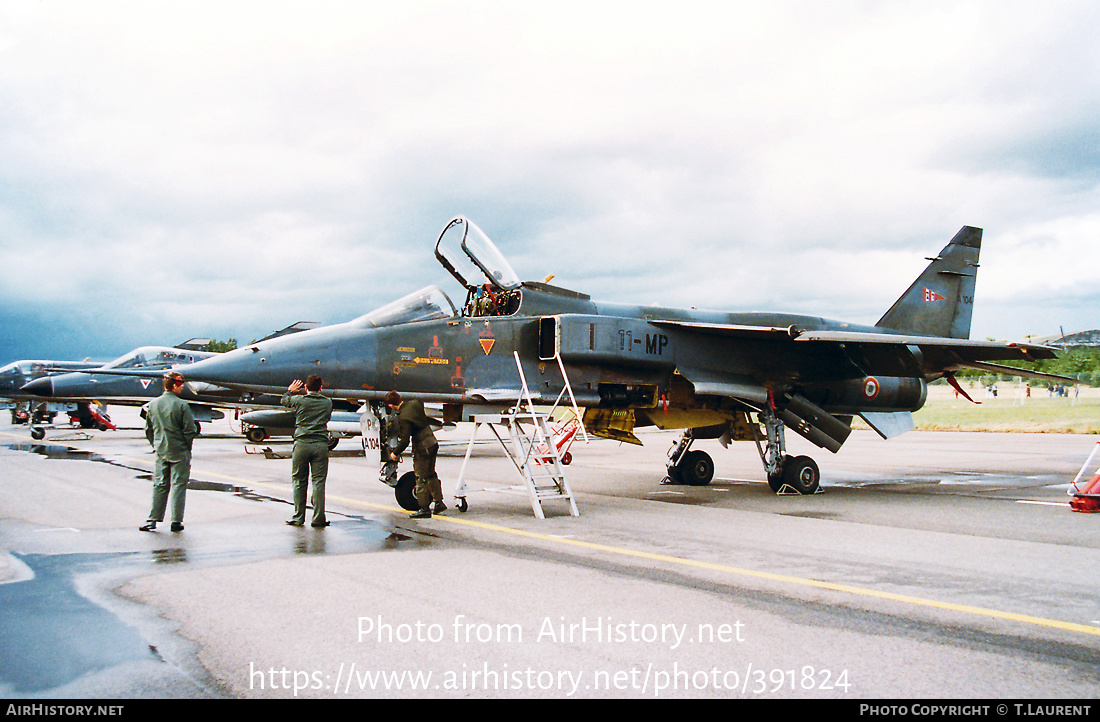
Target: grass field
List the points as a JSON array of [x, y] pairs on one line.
[[1010, 411]]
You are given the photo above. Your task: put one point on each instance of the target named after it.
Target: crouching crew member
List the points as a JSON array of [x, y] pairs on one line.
[[414, 425]]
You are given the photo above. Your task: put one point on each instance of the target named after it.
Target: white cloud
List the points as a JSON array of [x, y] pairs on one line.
[[741, 155]]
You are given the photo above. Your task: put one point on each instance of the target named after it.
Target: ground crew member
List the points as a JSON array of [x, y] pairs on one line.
[[414, 425], [170, 427], [312, 412]]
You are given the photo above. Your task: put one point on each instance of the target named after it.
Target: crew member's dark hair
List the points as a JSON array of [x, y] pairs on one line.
[[313, 382], [171, 379], [392, 399]]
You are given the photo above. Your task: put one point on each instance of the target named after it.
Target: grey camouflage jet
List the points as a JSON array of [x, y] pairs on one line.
[[84, 390], [18, 374], [715, 375], [142, 366]]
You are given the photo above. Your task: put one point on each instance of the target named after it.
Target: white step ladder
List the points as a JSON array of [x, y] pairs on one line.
[[530, 446]]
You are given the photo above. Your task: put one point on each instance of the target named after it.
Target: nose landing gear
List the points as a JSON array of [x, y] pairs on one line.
[[694, 468]]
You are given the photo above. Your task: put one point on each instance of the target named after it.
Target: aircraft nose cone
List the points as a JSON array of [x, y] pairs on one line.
[[40, 387]]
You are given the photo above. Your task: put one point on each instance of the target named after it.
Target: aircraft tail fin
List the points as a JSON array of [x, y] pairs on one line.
[[940, 302]]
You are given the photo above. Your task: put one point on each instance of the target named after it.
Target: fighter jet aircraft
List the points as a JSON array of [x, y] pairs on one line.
[[146, 364], [717, 375], [81, 389], [17, 374]]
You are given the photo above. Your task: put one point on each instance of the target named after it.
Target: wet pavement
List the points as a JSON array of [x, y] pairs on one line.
[[63, 626], [877, 578]]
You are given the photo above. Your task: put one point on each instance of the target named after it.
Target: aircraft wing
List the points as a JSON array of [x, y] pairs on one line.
[[963, 348], [940, 354], [947, 355], [729, 329]]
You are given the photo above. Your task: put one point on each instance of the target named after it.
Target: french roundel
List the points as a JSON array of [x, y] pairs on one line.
[[870, 387]]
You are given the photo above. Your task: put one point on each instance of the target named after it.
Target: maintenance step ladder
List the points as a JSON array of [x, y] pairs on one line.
[[532, 449]]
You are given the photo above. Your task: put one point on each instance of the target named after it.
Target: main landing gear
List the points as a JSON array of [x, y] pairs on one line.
[[786, 474]]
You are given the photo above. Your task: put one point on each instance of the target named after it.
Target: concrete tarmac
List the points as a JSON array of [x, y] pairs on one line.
[[934, 565]]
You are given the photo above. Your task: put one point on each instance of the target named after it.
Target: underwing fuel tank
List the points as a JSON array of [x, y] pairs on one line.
[[871, 393]]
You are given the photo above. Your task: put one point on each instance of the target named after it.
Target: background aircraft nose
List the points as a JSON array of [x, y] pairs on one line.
[[40, 387]]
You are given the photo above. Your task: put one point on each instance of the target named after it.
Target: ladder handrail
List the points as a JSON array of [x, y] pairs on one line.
[[572, 398]]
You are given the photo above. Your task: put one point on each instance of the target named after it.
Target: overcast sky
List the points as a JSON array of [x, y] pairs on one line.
[[224, 169]]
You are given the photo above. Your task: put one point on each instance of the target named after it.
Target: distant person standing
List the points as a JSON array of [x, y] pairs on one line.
[[170, 427], [415, 426], [309, 461]]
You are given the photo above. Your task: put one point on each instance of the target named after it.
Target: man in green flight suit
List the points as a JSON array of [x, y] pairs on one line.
[[170, 427], [415, 425], [312, 412]]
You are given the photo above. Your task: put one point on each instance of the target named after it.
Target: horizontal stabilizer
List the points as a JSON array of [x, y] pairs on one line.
[[1014, 371]]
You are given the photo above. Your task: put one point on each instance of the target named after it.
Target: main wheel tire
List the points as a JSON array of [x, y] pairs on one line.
[[404, 492], [332, 442], [255, 434], [697, 468], [38, 434], [802, 475]]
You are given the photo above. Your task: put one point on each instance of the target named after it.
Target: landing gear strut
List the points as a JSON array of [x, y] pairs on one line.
[[785, 473], [689, 467]]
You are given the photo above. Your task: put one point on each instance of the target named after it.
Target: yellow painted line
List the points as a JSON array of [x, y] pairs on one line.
[[710, 566], [799, 581]]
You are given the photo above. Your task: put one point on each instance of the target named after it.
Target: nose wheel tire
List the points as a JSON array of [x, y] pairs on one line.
[[697, 468], [403, 492]]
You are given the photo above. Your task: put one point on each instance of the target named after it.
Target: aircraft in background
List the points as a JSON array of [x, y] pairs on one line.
[[17, 374], [87, 390], [83, 393], [714, 374]]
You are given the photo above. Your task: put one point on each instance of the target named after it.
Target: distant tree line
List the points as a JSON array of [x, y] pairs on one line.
[[221, 346]]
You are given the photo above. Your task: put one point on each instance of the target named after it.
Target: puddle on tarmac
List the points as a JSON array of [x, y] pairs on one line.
[[55, 451], [53, 635]]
